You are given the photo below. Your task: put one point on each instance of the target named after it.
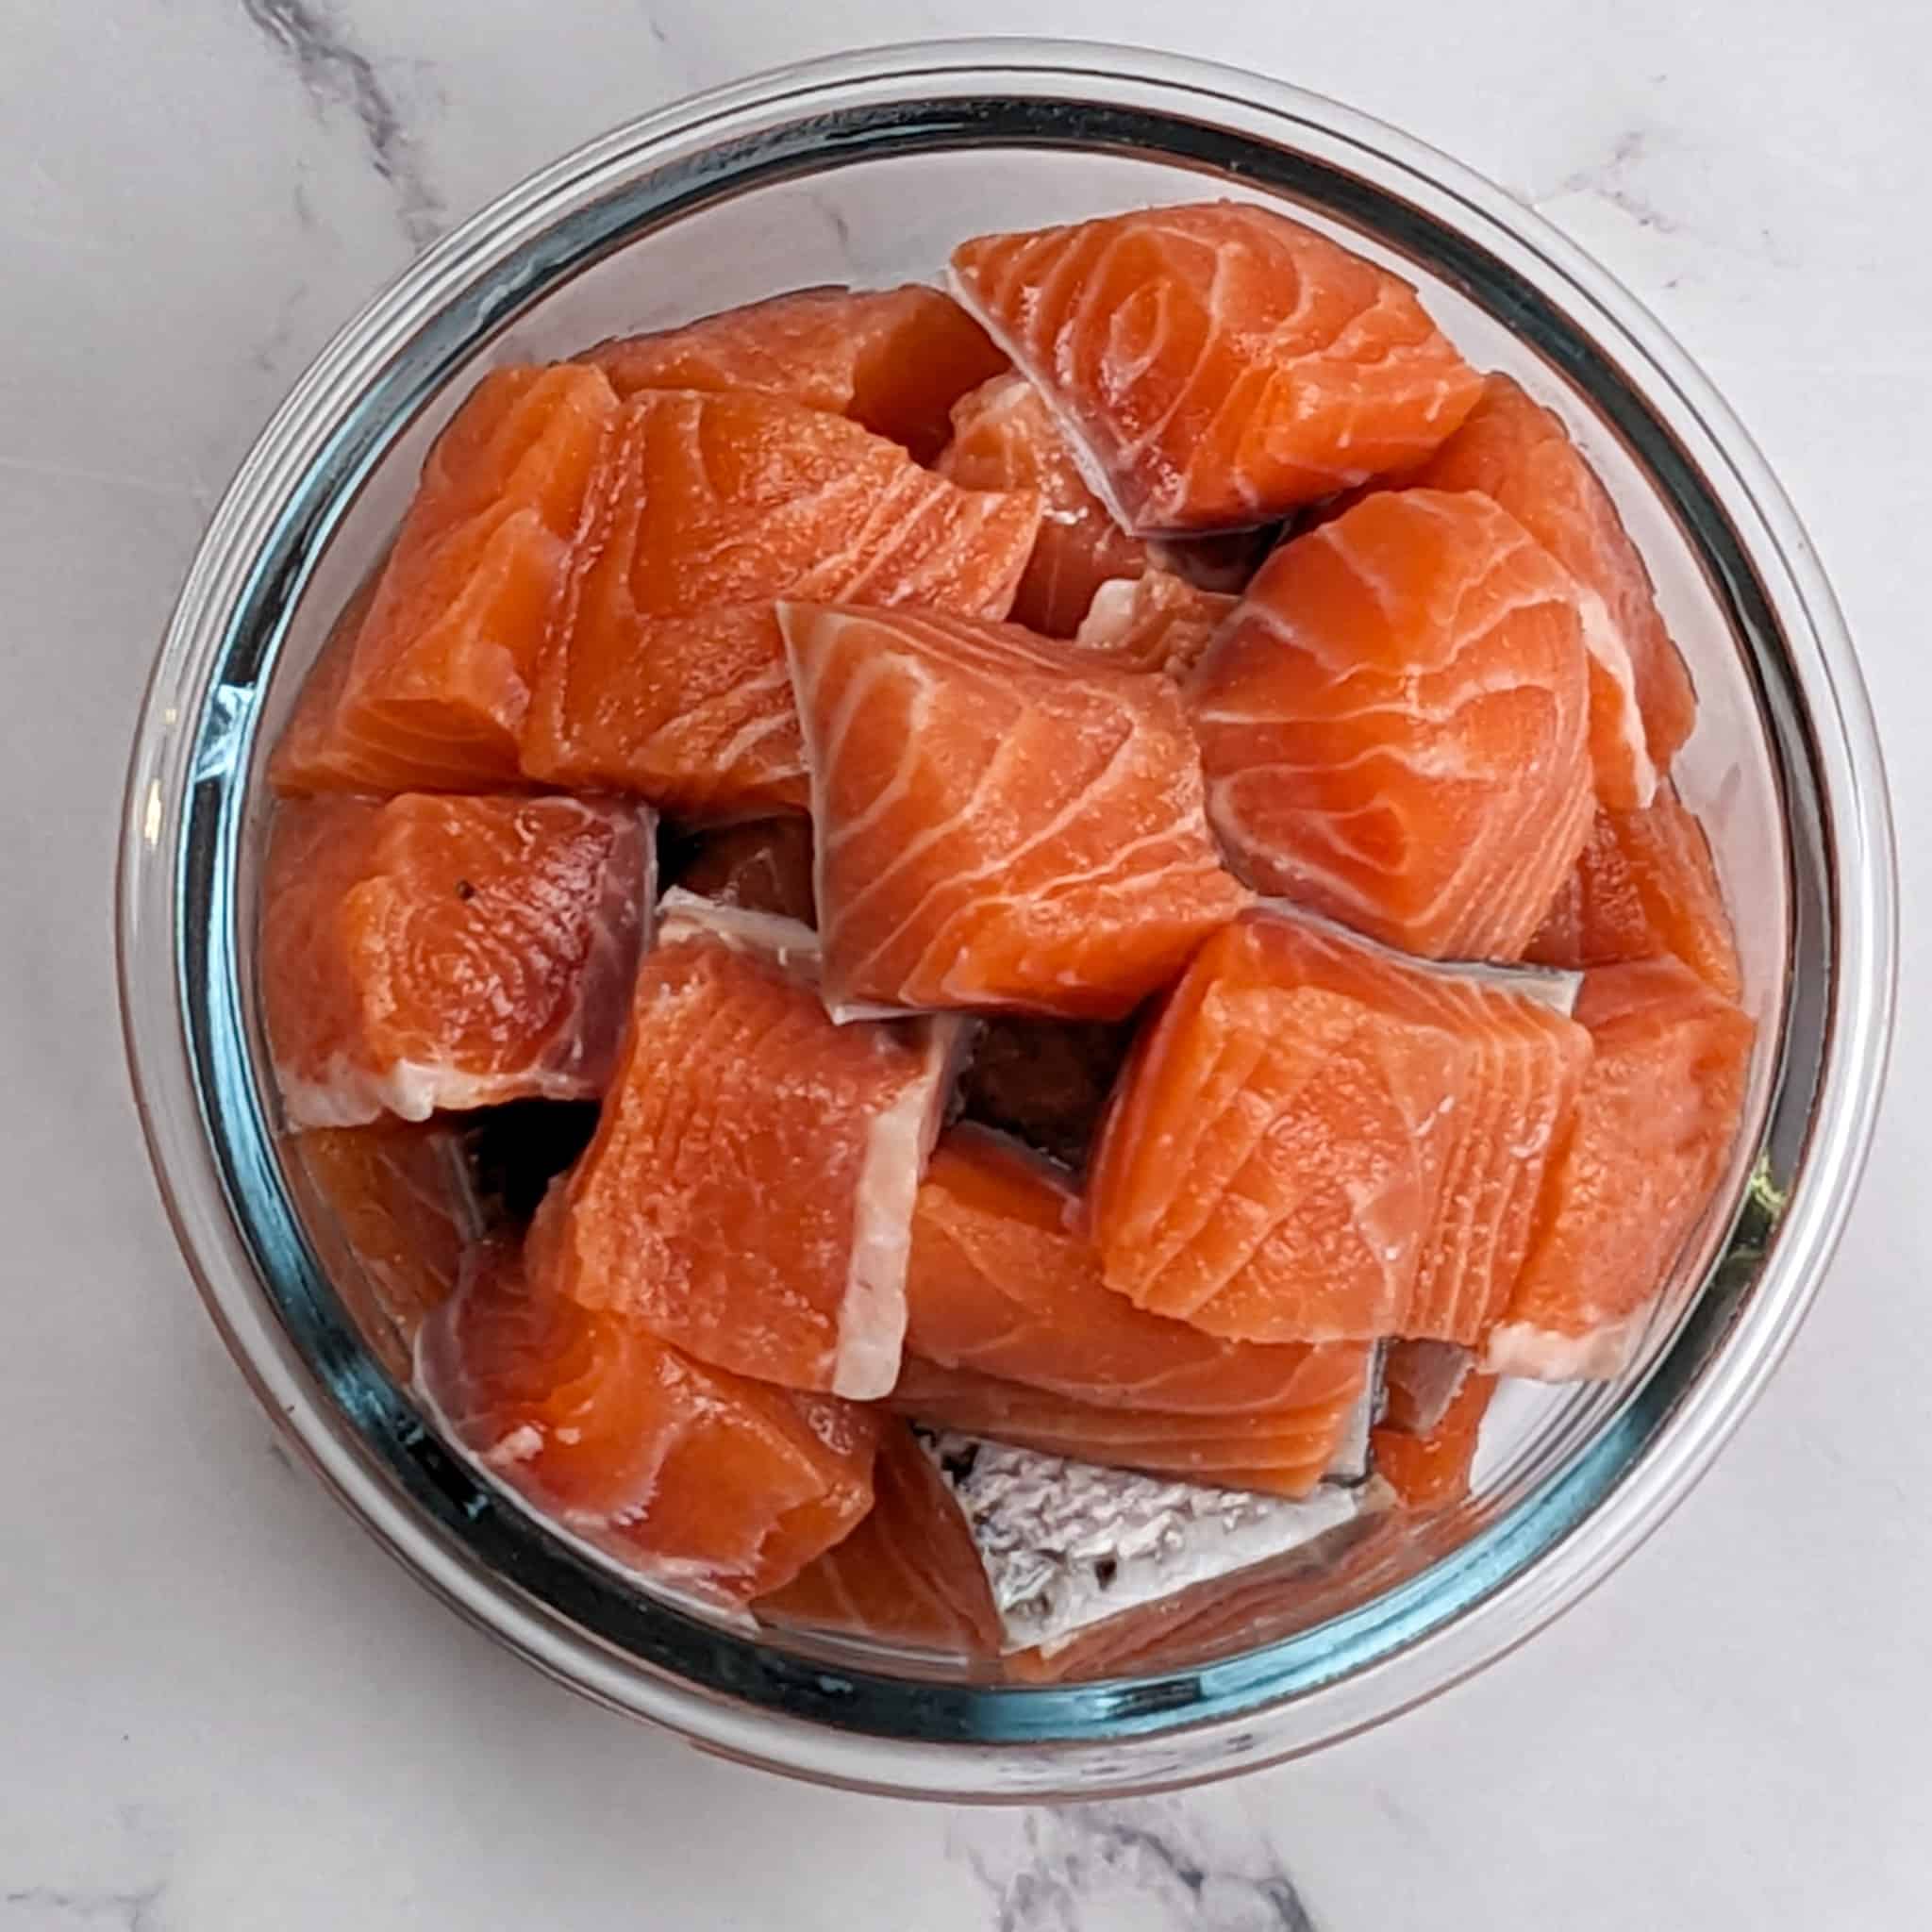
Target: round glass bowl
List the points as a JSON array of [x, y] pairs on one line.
[[868, 168]]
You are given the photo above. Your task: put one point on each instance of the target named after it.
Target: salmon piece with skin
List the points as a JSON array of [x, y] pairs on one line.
[[1428, 1467], [1646, 885], [1281, 1451], [1395, 725], [1218, 364], [1641, 703], [895, 361], [1003, 1282], [688, 1474], [1648, 1143], [909, 1575], [398, 1213], [432, 694], [749, 1191], [436, 952], [1001, 822], [671, 681], [1275, 1164], [1156, 621]]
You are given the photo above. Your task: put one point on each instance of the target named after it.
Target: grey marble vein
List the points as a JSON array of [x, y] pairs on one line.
[[1082, 1864], [54, 1906], [1610, 180], [335, 71]]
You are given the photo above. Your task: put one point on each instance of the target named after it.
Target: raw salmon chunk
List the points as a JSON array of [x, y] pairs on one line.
[[892, 359], [1003, 1282], [688, 1472], [908, 1575], [308, 757], [671, 681], [1648, 1143], [1216, 365], [749, 1192], [1429, 1467], [1154, 622], [1005, 438], [1001, 822], [1641, 706], [763, 865], [433, 692], [1275, 1165], [1646, 885], [1281, 1451], [398, 1215], [1395, 725], [441, 952]]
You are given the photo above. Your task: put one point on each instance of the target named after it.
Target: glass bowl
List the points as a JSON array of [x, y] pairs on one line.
[[867, 169]]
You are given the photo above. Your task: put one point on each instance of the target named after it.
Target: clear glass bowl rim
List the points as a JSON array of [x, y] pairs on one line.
[[192, 742]]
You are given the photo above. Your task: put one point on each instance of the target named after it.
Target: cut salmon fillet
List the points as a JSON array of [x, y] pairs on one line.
[[749, 1192], [763, 865], [910, 1573], [1319, 1140], [1428, 1468], [894, 359], [442, 952], [1218, 364], [433, 692], [1044, 1082], [1001, 822], [1005, 438], [687, 1472], [1420, 1379], [1641, 705], [1283, 1451], [1154, 622], [306, 756], [398, 1215], [1646, 885], [1003, 1282], [1395, 725], [671, 681], [1646, 1148]]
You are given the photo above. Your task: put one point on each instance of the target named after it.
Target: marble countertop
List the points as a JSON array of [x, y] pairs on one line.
[[223, 1708]]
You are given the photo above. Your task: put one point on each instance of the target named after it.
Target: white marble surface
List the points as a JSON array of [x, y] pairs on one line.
[[221, 1708]]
